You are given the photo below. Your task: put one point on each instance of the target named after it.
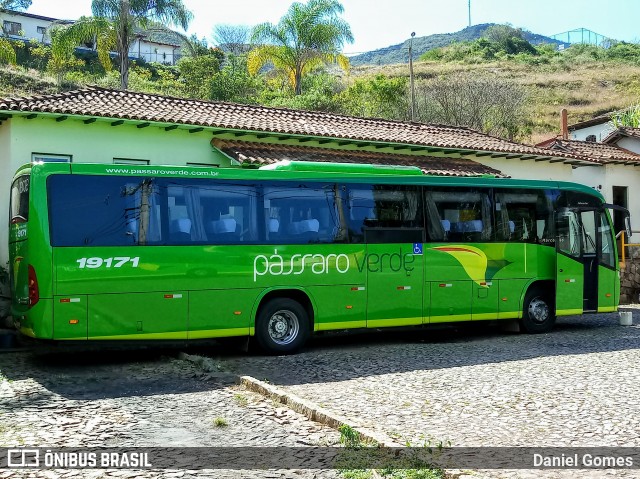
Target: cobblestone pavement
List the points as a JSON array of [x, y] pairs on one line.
[[576, 386], [140, 399]]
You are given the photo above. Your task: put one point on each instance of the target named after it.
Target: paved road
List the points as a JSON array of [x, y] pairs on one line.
[[576, 386], [120, 398]]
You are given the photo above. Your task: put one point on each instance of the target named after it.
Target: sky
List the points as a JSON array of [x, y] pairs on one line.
[[381, 23]]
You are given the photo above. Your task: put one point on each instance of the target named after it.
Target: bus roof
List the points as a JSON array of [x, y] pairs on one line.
[[354, 173], [327, 167]]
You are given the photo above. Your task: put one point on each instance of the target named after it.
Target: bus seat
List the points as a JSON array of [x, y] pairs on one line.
[[305, 231], [225, 230], [512, 227], [180, 229], [226, 225], [446, 225], [274, 225], [467, 230], [304, 226], [473, 226]]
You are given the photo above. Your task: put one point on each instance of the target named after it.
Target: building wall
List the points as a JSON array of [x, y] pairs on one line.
[[6, 174], [29, 26], [154, 52], [150, 51], [631, 144], [529, 169], [601, 131], [606, 177], [98, 142]]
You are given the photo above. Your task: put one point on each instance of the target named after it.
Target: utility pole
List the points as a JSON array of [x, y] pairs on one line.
[[413, 93], [469, 12]]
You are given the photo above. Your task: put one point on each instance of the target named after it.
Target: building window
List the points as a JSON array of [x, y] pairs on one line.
[[11, 28], [42, 30], [50, 158], [129, 161]]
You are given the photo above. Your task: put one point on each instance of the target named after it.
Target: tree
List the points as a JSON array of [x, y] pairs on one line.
[[196, 73], [508, 39], [306, 37], [627, 118], [7, 50], [379, 96], [482, 102], [233, 82], [113, 28], [16, 5], [232, 38]]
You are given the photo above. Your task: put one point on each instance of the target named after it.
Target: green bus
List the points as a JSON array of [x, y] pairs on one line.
[[122, 252]]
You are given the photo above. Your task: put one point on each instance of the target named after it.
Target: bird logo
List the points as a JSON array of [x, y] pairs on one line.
[[475, 262]]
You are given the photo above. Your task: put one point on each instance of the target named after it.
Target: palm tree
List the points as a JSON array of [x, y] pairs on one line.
[[307, 36], [113, 28]]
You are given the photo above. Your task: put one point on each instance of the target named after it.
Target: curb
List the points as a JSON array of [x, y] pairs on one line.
[[312, 411], [308, 409]]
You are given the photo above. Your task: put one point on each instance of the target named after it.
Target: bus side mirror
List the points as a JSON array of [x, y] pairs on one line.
[[627, 226]]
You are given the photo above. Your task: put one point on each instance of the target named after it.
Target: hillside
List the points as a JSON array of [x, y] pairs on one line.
[[399, 53], [585, 89]]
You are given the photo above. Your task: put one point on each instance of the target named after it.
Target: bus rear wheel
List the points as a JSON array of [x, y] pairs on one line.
[[538, 315], [282, 326]]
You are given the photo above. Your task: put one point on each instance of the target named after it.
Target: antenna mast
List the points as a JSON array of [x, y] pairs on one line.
[[469, 12]]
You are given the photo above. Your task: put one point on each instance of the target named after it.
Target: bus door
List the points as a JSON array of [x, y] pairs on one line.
[[577, 264], [388, 220], [394, 284]]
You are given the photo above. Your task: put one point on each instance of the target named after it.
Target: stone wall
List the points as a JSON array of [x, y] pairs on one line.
[[630, 277]]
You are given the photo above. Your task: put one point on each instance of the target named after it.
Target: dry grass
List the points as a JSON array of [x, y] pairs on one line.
[[586, 90]]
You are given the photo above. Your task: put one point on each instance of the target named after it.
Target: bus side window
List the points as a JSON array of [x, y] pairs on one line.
[[523, 216], [104, 211], [212, 212], [385, 214], [361, 213], [458, 214], [301, 213]]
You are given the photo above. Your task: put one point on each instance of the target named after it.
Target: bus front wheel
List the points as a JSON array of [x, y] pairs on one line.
[[538, 315], [282, 326]]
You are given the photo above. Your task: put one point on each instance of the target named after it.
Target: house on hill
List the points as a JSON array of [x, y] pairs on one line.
[[625, 138], [594, 129], [151, 47]]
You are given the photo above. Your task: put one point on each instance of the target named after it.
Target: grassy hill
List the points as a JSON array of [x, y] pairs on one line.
[[399, 53], [585, 89]]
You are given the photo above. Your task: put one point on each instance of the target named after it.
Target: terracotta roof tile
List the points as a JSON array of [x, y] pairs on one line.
[[600, 152], [103, 102], [622, 132], [265, 153]]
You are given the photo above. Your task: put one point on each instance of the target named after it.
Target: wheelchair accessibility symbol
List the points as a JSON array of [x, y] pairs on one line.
[[417, 248]]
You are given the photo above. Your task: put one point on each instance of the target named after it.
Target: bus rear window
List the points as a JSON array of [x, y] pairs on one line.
[[20, 200]]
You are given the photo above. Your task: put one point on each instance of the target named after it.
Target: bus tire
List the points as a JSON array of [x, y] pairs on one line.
[[538, 315], [282, 326]]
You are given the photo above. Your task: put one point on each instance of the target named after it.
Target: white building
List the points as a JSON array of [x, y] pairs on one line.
[[26, 26]]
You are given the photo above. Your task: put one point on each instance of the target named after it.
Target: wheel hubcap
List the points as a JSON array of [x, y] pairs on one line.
[[283, 327], [538, 310]]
